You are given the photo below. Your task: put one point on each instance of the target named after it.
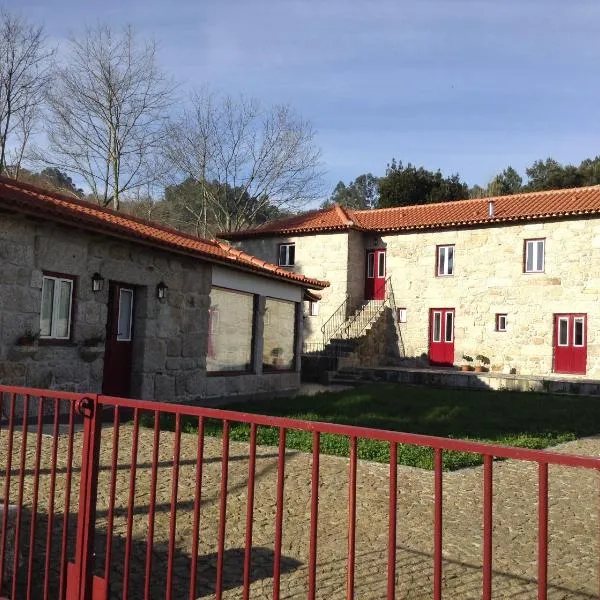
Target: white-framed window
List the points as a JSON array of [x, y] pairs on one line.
[[57, 306], [437, 326], [401, 315], [579, 332], [381, 266], [534, 256], [501, 321], [449, 333], [287, 255], [125, 324], [445, 260], [371, 265], [313, 308], [563, 331]]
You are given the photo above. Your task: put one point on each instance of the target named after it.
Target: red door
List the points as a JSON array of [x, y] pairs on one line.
[[441, 337], [119, 341], [570, 343], [375, 275]]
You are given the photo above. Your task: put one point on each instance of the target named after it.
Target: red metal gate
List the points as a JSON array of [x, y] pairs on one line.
[[106, 544]]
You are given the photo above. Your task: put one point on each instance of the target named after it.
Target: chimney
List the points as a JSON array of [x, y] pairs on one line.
[[491, 208]]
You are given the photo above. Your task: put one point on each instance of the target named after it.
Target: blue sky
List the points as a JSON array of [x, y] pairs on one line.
[[467, 86]]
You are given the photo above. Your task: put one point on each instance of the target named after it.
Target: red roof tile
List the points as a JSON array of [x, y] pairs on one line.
[[332, 218], [519, 207], [58, 207]]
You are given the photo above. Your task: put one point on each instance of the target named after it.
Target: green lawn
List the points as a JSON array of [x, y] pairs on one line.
[[513, 418]]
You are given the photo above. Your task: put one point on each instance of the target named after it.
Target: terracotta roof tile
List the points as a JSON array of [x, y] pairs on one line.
[[332, 218], [519, 207], [30, 199]]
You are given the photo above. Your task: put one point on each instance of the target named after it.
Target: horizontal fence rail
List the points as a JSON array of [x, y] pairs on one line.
[[115, 498]]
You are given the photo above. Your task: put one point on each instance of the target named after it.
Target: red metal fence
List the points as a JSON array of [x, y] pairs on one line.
[[100, 488]]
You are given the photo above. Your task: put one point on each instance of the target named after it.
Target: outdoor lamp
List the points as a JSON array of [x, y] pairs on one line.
[[161, 290], [97, 282]]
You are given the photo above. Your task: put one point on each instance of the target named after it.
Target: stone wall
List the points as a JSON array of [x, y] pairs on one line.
[[170, 337], [325, 257], [488, 279]]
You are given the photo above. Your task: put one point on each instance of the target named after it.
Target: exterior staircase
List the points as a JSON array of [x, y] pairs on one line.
[[346, 333]]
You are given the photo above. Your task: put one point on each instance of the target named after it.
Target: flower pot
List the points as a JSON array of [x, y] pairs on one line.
[[466, 368]]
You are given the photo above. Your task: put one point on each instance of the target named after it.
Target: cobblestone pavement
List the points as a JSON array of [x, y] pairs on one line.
[[574, 524]]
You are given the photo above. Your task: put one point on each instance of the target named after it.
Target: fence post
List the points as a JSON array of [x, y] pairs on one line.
[[81, 572]]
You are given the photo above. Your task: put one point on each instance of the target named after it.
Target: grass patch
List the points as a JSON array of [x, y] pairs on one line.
[[519, 419]]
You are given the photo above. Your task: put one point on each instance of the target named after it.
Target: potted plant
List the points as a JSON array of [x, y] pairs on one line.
[[277, 354], [483, 362], [28, 338], [468, 359], [91, 348]]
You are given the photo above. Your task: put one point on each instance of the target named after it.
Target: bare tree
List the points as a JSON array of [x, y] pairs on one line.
[[25, 69], [245, 159], [108, 110]]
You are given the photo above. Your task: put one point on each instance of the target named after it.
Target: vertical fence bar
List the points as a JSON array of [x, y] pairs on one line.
[[393, 509], [173, 519], [35, 498], [55, 432], [351, 520], [197, 499], [314, 517], [152, 506], [437, 534], [17, 537], [65, 536], [542, 531], [3, 534], [222, 510], [487, 525], [131, 501], [91, 410], [111, 496], [249, 511], [279, 515]]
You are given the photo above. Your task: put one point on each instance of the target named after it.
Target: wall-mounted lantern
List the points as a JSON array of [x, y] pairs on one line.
[[161, 291], [97, 282]]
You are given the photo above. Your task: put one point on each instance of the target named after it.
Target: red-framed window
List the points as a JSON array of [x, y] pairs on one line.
[[444, 260]]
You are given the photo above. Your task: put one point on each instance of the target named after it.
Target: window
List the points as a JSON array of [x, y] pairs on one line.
[[437, 326], [534, 256], [563, 331], [287, 255], [57, 304], [381, 269], [371, 265], [445, 260], [578, 332], [231, 316], [449, 333], [279, 335], [125, 315], [501, 322], [313, 309], [401, 315]]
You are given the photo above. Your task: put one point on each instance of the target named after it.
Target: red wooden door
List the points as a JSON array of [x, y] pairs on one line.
[[375, 275], [441, 337], [570, 343], [119, 341]]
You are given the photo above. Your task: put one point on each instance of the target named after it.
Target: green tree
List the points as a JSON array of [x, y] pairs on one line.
[[549, 174], [406, 185], [506, 183], [362, 193]]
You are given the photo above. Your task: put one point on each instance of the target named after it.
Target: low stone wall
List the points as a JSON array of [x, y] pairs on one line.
[[472, 380]]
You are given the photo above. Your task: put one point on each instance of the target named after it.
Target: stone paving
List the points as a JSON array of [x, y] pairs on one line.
[[574, 524]]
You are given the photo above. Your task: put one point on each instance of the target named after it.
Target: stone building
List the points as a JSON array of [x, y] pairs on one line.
[[94, 300], [513, 279]]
